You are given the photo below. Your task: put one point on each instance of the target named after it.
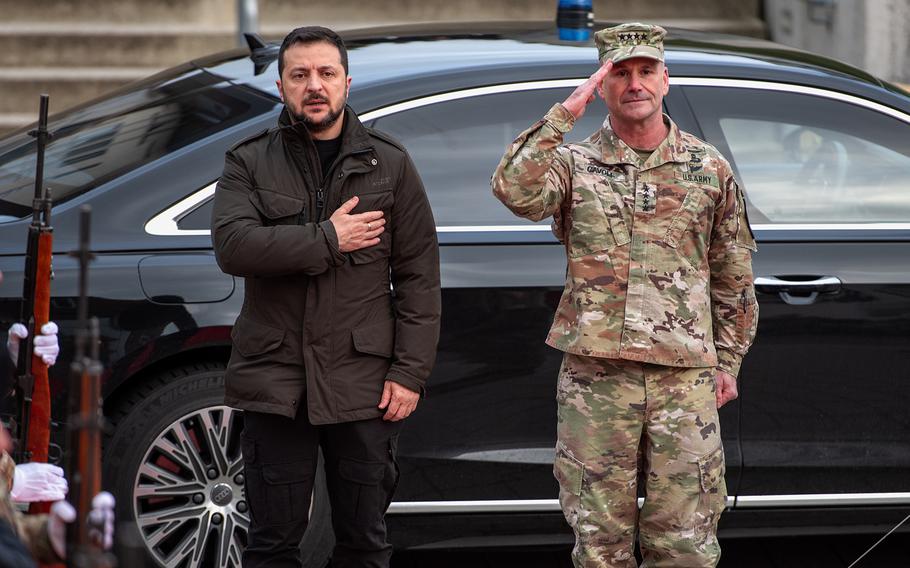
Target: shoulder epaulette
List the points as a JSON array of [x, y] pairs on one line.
[[386, 138], [250, 138]]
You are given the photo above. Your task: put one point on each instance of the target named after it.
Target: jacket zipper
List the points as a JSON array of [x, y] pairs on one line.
[[321, 192]]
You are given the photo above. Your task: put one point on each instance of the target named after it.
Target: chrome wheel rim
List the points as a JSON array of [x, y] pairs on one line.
[[188, 495]]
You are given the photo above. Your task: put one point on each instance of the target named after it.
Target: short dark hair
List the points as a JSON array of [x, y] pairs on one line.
[[312, 34]]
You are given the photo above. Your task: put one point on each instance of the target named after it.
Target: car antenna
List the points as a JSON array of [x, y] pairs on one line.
[[254, 42]]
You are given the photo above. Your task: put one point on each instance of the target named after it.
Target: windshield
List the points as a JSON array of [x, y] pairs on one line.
[[134, 126]]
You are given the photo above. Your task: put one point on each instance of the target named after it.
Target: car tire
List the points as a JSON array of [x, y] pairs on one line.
[[173, 460]]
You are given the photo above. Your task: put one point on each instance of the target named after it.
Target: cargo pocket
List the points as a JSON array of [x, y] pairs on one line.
[[713, 494], [392, 482], [252, 339], [276, 493], [569, 472], [364, 499], [746, 318]]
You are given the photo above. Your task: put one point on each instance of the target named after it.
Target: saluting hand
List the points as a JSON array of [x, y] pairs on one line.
[[399, 399], [357, 231], [583, 95]]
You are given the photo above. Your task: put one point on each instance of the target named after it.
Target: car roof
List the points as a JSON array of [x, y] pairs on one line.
[[446, 56]]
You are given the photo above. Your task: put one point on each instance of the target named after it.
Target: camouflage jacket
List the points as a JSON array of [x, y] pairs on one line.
[[31, 529], [659, 252]]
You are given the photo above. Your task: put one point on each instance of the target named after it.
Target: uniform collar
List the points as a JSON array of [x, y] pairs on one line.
[[615, 151]]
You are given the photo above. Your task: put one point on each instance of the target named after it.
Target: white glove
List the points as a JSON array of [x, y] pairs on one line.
[[61, 514], [46, 345], [101, 522], [38, 482]]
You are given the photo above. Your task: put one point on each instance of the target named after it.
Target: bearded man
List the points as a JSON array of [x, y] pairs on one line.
[[322, 216]]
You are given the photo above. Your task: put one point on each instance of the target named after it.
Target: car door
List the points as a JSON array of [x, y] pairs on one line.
[[825, 388]]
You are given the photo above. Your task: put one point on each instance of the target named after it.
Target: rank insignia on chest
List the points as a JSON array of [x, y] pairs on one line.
[[647, 199]]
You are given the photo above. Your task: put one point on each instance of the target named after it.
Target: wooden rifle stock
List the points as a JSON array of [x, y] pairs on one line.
[[32, 388], [83, 463]]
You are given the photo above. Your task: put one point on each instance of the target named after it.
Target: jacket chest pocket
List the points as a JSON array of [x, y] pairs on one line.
[[379, 251], [277, 208], [597, 220], [375, 201], [689, 231]]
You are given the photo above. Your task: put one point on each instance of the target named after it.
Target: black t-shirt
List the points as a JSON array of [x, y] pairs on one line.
[[328, 151]]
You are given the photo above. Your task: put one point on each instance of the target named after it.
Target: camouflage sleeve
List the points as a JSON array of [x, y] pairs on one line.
[[535, 173], [733, 306]]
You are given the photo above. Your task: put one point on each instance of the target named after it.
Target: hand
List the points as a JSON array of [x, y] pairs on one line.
[[34, 482], [582, 96], [100, 519], [46, 345], [725, 388], [356, 231], [400, 401]]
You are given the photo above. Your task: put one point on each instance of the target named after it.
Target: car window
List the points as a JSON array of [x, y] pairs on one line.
[[456, 145], [199, 218], [808, 159], [137, 125]]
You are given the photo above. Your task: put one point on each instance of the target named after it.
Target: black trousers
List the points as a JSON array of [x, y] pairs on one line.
[[280, 457]]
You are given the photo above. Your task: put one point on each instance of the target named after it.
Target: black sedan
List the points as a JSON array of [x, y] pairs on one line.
[[818, 440]]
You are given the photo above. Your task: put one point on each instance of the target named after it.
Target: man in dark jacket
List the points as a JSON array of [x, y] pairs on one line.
[[324, 218]]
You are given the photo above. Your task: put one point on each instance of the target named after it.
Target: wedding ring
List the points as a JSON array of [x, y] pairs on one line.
[[369, 226]]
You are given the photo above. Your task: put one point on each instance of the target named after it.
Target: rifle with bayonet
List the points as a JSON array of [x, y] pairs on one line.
[[32, 389], [83, 449]]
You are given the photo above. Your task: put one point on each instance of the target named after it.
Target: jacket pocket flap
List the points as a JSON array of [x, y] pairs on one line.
[[251, 338], [374, 201], [375, 338], [285, 473], [274, 205], [364, 473]]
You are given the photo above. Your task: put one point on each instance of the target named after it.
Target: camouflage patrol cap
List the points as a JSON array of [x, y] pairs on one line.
[[626, 41]]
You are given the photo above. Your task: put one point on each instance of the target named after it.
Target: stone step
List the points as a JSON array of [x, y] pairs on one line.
[[14, 121], [290, 13], [201, 12], [753, 27], [223, 13], [33, 44], [67, 86]]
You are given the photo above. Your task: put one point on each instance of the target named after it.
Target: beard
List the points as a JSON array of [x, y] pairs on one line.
[[326, 122]]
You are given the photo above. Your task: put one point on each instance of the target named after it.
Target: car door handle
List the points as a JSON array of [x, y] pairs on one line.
[[797, 292]]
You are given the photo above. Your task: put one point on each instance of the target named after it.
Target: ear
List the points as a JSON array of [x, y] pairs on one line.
[[666, 81], [347, 88], [600, 89], [280, 92]]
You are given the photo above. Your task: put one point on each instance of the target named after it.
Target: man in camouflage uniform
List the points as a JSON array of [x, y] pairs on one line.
[[658, 309]]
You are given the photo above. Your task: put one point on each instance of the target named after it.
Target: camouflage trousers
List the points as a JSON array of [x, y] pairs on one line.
[[621, 423]]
